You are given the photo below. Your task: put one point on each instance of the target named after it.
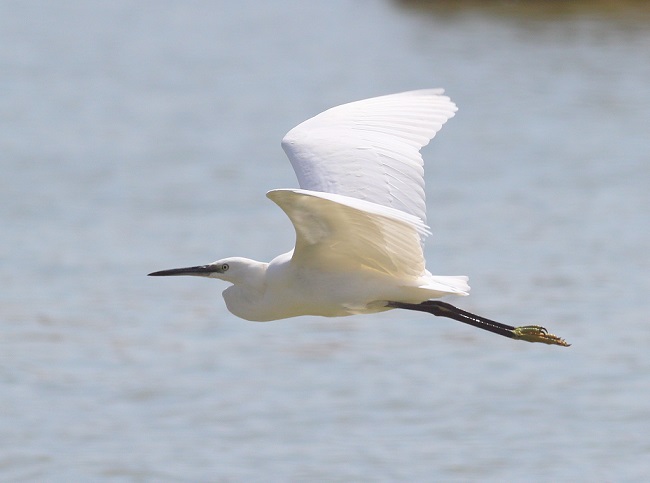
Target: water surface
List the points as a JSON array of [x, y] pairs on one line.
[[143, 136]]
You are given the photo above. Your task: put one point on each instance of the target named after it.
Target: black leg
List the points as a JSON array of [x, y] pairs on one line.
[[530, 333]]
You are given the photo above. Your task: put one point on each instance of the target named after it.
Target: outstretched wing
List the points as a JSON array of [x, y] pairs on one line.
[[335, 232], [370, 149]]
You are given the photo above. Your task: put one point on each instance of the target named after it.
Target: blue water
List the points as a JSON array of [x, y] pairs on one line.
[[137, 136]]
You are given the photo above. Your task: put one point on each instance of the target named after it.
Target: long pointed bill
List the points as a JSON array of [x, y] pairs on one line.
[[198, 271]]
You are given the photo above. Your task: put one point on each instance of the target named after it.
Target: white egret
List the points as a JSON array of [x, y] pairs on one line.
[[360, 222]]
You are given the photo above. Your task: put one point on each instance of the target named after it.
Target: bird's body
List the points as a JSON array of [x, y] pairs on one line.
[[283, 288], [360, 221], [351, 257]]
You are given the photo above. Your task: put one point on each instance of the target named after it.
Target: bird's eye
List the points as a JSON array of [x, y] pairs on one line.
[[225, 267]]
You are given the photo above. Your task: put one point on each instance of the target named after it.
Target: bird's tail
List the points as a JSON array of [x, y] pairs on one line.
[[446, 284]]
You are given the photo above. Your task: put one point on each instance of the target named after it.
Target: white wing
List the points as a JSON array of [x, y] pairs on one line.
[[369, 149], [339, 233]]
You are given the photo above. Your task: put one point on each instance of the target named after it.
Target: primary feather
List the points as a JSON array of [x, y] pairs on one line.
[[370, 149]]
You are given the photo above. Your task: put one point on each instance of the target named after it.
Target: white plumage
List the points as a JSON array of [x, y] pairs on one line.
[[360, 221], [370, 149], [359, 215]]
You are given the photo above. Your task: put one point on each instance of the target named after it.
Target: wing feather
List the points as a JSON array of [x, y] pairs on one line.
[[369, 149], [335, 232]]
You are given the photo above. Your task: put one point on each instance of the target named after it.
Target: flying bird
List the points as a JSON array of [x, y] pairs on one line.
[[360, 222]]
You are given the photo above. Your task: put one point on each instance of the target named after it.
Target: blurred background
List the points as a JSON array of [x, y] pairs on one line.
[[138, 136]]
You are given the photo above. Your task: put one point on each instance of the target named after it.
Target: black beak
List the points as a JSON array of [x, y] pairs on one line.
[[199, 271]]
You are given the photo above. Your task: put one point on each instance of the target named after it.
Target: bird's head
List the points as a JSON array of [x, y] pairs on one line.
[[234, 270]]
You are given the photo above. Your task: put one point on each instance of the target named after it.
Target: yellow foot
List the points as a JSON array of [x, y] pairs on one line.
[[535, 333]]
